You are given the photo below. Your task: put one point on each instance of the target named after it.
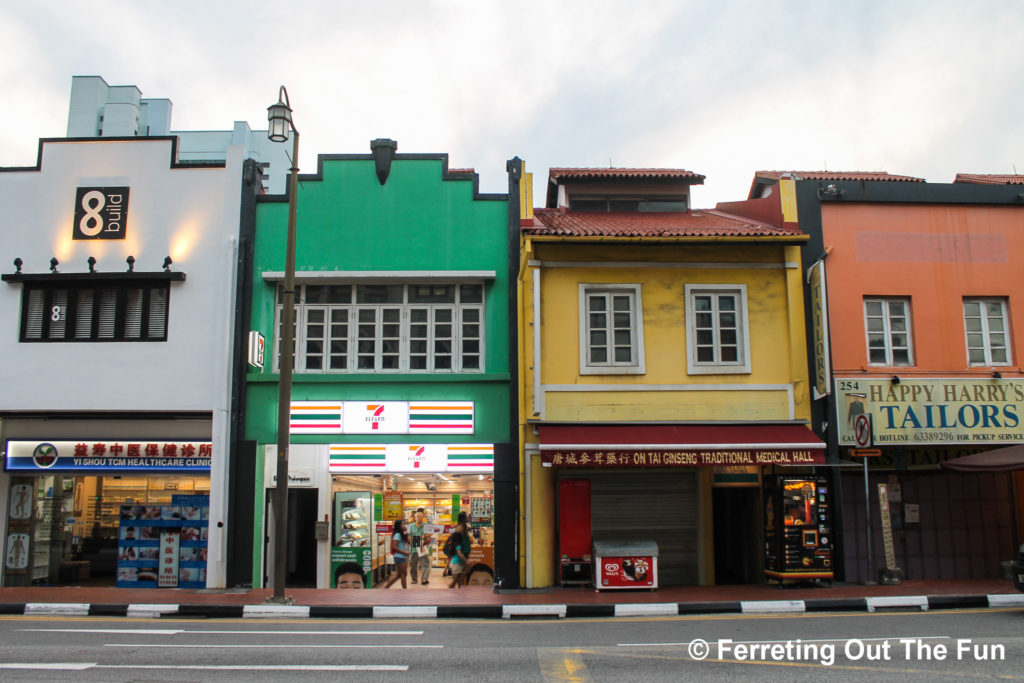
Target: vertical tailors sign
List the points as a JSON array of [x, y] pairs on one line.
[[819, 313]]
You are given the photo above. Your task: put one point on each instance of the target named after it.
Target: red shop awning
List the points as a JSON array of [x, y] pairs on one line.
[[633, 445]]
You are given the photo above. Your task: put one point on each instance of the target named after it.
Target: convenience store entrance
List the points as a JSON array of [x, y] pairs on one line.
[[71, 530], [363, 509]]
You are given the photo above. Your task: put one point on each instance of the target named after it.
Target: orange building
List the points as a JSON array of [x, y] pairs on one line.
[[915, 322]]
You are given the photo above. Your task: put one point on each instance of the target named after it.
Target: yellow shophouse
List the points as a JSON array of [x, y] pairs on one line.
[[664, 371]]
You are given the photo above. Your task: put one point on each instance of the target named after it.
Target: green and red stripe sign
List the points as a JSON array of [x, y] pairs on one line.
[[315, 417], [382, 417], [441, 417]]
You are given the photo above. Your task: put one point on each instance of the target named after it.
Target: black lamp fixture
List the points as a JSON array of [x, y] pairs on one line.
[[279, 116], [131, 263], [53, 264], [895, 379], [997, 375], [167, 263], [830, 191], [17, 264], [92, 263]]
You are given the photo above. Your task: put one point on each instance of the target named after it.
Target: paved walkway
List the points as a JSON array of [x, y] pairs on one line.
[[481, 601]]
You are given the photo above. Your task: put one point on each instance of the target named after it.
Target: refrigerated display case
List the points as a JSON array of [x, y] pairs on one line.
[[354, 536], [798, 528]]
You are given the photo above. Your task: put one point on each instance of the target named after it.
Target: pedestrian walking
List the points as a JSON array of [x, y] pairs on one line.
[[419, 564], [460, 543], [400, 552]]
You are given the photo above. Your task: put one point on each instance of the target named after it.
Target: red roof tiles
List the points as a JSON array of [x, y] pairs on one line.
[[987, 179], [703, 223], [614, 173], [840, 175]]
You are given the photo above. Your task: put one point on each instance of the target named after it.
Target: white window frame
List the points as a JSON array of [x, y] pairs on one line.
[[887, 330], [404, 323], [986, 333], [741, 365], [637, 365]]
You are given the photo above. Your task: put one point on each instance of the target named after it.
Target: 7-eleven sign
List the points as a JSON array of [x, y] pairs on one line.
[[431, 457], [376, 417]]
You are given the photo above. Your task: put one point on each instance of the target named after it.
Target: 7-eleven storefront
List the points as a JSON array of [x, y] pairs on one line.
[[345, 497]]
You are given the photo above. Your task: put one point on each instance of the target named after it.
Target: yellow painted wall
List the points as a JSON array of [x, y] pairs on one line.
[[775, 320]]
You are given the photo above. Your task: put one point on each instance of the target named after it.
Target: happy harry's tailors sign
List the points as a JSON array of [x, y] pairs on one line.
[[929, 411]]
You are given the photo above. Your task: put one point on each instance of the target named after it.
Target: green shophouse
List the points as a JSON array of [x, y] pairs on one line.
[[402, 392]]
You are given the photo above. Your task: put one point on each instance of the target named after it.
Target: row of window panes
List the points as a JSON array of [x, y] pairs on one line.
[[612, 335], [439, 329], [387, 294], [889, 335], [95, 313]]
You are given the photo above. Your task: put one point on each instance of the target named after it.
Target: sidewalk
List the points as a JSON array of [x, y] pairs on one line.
[[483, 602]]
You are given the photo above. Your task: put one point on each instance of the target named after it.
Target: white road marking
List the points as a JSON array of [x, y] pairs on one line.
[[55, 666], [802, 640], [75, 666], [177, 631], [293, 646]]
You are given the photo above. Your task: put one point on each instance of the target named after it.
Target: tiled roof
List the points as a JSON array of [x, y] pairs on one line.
[[702, 223], [840, 175], [615, 173], [461, 170], [986, 179]]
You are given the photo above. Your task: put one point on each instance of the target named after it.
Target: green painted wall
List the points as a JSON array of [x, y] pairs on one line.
[[347, 220]]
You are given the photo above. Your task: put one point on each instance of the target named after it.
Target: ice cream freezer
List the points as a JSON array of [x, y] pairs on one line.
[[621, 566]]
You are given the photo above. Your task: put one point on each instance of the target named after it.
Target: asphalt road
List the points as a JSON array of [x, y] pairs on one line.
[[940, 645]]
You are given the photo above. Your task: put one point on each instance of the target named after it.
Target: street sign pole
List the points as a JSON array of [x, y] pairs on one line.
[[862, 435]]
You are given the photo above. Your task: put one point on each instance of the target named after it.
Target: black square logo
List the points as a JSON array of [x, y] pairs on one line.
[[101, 213]]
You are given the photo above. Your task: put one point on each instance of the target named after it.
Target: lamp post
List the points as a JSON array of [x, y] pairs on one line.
[[279, 116]]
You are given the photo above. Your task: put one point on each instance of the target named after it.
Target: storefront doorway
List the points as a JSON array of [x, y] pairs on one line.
[[302, 504], [364, 508], [737, 525]]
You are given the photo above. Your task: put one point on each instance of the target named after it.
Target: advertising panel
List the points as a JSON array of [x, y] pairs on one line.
[[929, 411], [350, 567], [164, 546]]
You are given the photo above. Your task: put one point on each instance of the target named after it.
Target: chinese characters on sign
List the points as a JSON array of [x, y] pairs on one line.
[[598, 459], [139, 456]]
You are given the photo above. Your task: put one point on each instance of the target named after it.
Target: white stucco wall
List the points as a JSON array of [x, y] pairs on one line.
[[189, 214]]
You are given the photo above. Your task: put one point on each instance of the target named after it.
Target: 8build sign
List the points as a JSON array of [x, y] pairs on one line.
[[101, 213], [930, 411]]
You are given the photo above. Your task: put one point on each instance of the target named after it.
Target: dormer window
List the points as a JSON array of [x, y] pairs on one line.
[[613, 204]]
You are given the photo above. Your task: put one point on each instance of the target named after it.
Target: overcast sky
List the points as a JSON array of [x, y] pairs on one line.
[[721, 88]]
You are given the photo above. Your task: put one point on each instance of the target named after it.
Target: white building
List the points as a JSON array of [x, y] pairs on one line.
[[119, 305], [101, 110]]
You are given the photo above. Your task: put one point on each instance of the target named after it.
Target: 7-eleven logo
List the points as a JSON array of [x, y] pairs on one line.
[[376, 415], [417, 454]]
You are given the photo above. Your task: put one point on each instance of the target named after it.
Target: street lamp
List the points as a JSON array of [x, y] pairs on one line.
[[279, 116]]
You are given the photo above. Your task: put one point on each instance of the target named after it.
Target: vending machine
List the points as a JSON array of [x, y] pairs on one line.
[[798, 528]]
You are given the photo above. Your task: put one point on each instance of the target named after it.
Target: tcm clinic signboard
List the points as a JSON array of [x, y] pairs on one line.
[[930, 411], [109, 456]]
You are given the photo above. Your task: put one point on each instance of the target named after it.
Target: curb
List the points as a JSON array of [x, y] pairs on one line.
[[515, 611]]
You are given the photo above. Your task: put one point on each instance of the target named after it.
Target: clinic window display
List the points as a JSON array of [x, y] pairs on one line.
[[164, 546]]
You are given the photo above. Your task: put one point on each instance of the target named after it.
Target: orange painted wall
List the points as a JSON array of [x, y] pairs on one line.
[[936, 255]]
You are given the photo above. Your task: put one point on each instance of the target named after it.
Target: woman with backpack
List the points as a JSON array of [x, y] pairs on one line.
[[400, 551], [460, 545]]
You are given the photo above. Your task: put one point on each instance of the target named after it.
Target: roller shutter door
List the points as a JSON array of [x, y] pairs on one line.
[[657, 506]]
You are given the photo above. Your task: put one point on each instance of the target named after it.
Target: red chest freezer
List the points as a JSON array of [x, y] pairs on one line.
[[625, 565]]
